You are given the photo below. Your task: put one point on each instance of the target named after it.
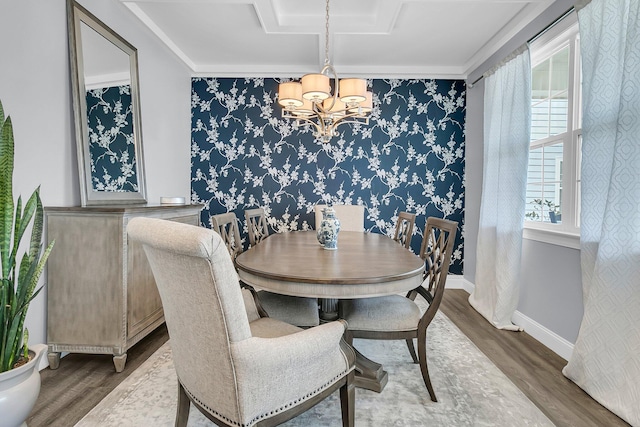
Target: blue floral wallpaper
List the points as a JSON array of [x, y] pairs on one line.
[[409, 158], [111, 143]]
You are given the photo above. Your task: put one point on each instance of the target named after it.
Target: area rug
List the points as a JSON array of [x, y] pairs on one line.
[[471, 391]]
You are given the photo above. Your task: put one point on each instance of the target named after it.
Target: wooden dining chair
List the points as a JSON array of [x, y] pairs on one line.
[[257, 225], [351, 217], [299, 311], [226, 225], [404, 228], [236, 367], [397, 317]]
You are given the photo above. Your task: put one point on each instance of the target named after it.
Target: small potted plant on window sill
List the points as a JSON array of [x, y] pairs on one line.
[[540, 207], [19, 376]]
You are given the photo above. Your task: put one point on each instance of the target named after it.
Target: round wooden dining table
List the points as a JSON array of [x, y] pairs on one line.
[[364, 265]]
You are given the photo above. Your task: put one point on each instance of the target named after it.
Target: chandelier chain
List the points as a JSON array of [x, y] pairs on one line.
[[326, 36]]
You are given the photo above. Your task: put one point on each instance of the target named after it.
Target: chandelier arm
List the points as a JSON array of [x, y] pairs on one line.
[[305, 119], [321, 116], [328, 68], [352, 118]]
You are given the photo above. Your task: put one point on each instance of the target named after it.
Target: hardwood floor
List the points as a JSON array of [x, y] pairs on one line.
[[71, 391], [83, 380]]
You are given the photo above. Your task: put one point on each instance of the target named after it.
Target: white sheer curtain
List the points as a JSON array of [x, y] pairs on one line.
[[507, 128], [606, 357]]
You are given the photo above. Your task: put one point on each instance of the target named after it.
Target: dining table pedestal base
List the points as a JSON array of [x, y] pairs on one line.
[[328, 309], [369, 374]]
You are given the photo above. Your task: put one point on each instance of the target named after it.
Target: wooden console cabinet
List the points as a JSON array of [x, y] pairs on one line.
[[101, 294]]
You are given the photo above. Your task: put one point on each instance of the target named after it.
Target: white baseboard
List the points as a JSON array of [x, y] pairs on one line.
[[545, 336], [457, 281], [553, 341]]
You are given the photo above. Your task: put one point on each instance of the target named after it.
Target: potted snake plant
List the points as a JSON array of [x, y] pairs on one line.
[[19, 376]]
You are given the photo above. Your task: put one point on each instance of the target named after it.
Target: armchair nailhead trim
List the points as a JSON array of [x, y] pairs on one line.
[[212, 411], [267, 414]]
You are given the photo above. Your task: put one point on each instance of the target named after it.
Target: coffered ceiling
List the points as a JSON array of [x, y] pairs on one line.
[[368, 38]]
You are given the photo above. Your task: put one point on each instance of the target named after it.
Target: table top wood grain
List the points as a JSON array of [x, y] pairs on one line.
[[364, 265]]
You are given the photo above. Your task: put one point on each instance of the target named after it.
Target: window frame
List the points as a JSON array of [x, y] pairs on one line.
[[567, 233]]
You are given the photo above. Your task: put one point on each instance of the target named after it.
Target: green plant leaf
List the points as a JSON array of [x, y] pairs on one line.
[[36, 229], [29, 262], [26, 271], [17, 288], [6, 290], [37, 272], [17, 236], [12, 337], [17, 325], [31, 293], [23, 218], [6, 193]]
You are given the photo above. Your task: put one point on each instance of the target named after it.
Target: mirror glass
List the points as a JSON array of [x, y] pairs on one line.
[[107, 111]]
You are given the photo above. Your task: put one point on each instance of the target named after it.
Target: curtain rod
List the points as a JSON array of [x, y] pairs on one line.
[[550, 26], [532, 39]]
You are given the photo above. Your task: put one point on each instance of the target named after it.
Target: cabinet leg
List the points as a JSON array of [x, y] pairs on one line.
[[54, 359], [119, 361]]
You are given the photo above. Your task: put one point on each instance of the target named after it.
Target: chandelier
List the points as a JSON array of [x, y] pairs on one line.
[[311, 100]]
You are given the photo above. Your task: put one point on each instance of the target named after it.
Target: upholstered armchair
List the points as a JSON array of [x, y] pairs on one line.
[[236, 367]]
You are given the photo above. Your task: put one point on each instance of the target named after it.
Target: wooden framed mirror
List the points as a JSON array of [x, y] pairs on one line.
[[106, 103]]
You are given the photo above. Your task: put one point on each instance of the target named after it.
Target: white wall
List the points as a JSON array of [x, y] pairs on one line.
[[473, 161], [551, 290], [35, 91]]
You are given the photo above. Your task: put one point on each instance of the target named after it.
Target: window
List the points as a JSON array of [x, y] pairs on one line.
[[553, 176]]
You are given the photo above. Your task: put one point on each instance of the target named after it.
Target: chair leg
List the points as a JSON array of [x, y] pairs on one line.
[[182, 413], [348, 337], [412, 350], [348, 400], [422, 356]]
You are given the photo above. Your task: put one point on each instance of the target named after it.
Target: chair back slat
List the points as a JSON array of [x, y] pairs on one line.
[[256, 225], [404, 228], [226, 225], [436, 250]]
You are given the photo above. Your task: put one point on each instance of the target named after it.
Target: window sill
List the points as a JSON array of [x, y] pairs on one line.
[[552, 237]]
